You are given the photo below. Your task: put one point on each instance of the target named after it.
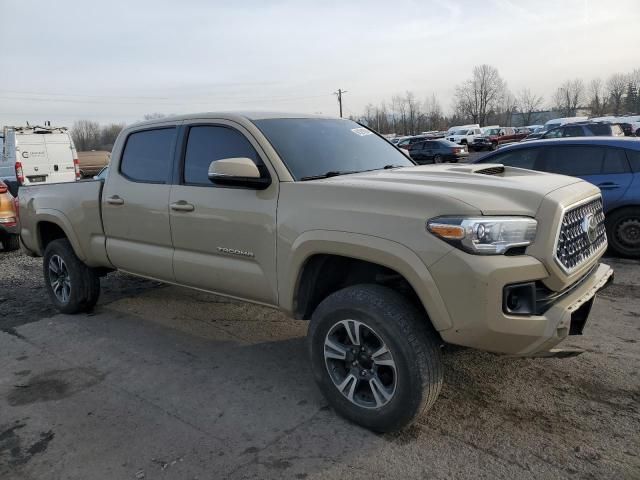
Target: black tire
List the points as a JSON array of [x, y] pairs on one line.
[[83, 281], [437, 159], [494, 146], [623, 232], [10, 242], [413, 345]]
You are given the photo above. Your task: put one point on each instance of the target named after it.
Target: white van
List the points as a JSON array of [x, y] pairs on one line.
[[40, 155], [558, 122]]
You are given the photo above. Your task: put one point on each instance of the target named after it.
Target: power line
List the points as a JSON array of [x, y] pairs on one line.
[[339, 94]]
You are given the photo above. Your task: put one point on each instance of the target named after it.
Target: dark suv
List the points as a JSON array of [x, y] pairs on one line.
[[586, 129], [610, 163]]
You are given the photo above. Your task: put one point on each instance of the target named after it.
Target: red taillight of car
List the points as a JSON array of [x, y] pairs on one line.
[[19, 173], [76, 167]]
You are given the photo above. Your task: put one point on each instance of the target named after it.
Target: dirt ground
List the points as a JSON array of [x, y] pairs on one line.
[[163, 382]]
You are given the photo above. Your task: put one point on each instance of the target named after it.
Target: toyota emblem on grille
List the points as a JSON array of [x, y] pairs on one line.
[[590, 227]]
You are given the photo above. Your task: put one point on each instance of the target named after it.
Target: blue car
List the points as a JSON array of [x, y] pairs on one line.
[[610, 163]]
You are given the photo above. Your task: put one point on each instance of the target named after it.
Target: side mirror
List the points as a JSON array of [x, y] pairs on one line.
[[237, 172]]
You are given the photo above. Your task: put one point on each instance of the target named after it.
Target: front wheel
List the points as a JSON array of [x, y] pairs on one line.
[[375, 357], [72, 286], [623, 232]]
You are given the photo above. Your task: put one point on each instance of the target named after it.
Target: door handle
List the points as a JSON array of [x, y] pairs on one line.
[[182, 206], [115, 200], [608, 185]]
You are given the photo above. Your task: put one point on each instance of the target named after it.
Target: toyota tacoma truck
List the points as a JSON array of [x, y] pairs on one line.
[[328, 222]]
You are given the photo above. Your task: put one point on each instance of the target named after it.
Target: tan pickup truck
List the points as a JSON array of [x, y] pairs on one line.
[[327, 221]]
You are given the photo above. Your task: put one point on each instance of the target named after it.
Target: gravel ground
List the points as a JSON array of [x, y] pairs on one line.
[[496, 417]]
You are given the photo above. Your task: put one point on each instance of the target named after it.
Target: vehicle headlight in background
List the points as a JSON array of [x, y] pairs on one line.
[[484, 235]]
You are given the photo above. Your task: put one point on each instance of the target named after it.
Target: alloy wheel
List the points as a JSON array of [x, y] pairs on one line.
[[59, 278], [360, 364]]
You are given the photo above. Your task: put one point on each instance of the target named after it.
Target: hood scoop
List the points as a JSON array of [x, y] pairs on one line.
[[495, 169]]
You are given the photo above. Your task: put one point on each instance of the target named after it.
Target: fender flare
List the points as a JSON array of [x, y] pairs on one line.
[[369, 248], [60, 219]]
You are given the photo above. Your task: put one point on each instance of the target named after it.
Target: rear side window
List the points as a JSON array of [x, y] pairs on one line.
[[208, 143], [574, 160], [615, 161], [634, 159], [147, 155], [598, 129], [574, 131], [521, 158]]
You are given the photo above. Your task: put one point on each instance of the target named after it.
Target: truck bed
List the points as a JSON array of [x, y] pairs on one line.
[[74, 207]]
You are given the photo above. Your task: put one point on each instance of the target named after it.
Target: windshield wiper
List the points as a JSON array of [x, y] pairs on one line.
[[330, 173]]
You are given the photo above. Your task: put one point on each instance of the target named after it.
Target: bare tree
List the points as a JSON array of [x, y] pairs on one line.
[[528, 103], [569, 96], [616, 87], [108, 135], [85, 134], [401, 106], [481, 94], [433, 113], [597, 97], [413, 112]]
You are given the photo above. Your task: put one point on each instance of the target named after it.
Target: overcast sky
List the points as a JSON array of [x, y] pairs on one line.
[[115, 61]]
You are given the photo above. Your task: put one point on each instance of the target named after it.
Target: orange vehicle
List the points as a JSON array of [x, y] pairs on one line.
[[9, 232]]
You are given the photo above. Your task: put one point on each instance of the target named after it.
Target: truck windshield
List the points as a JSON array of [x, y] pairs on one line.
[[312, 147]]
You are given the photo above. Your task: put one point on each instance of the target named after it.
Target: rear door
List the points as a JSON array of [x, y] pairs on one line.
[[31, 153], [605, 167], [60, 156], [135, 203]]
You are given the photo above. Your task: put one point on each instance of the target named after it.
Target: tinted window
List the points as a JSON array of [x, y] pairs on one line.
[[147, 155], [314, 146], [555, 133], [521, 158], [574, 131], [574, 160], [210, 143], [634, 159], [615, 161], [599, 129]]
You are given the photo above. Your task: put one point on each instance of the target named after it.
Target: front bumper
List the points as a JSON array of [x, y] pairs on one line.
[[472, 289]]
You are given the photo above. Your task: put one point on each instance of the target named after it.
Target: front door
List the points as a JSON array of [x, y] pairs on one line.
[[135, 205], [224, 237]]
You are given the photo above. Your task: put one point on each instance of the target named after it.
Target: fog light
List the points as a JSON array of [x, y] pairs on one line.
[[519, 299]]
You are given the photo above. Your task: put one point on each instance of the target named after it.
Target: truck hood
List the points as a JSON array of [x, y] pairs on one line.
[[492, 189]]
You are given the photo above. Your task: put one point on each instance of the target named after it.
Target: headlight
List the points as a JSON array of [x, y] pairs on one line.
[[485, 235]]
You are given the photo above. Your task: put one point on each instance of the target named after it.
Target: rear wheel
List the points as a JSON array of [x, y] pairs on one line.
[[10, 242], [374, 357], [623, 232], [72, 286], [437, 159]]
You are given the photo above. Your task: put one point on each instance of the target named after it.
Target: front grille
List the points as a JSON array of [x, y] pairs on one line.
[[582, 234]]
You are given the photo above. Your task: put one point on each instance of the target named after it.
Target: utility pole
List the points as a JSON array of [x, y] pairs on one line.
[[339, 94]]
